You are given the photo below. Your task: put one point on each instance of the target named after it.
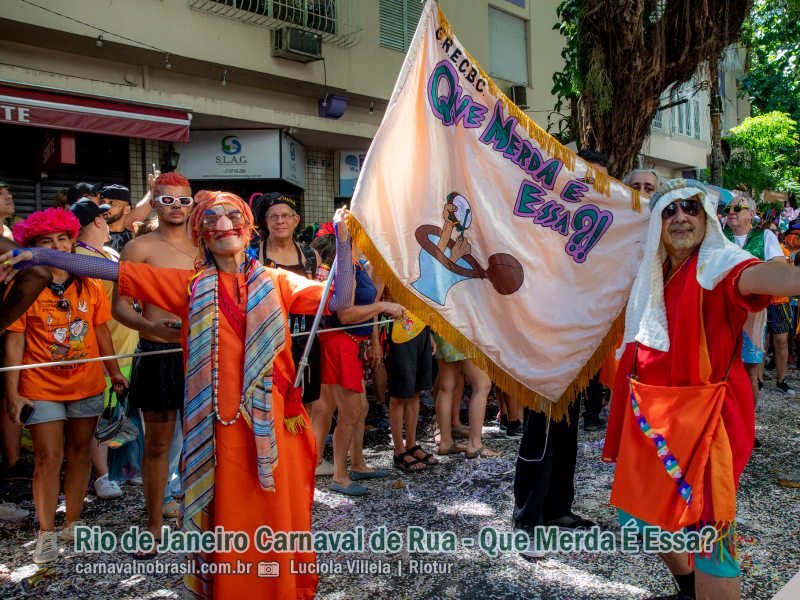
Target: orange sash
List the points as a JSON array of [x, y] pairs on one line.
[[674, 454]]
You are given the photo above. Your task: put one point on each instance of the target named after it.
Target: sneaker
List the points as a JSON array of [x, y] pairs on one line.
[[784, 387], [46, 548], [324, 469], [514, 429], [106, 489], [68, 533], [135, 480], [502, 422], [770, 364], [20, 471], [571, 521], [530, 553], [11, 512]]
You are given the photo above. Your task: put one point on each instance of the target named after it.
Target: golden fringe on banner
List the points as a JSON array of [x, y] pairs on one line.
[[601, 181], [529, 398]]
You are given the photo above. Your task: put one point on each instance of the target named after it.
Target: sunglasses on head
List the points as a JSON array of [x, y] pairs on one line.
[[688, 207], [170, 200], [736, 209]]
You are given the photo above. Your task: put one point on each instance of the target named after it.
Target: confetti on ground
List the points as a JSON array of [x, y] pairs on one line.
[[464, 496]]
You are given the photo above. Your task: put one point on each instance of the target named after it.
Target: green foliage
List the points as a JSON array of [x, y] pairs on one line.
[[567, 84], [772, 34], [764, 154]]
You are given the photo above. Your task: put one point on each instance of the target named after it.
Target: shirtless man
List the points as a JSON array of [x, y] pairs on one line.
[[157, 381]]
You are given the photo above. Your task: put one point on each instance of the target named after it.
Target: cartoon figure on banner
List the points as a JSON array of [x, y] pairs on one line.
[[444, 262]]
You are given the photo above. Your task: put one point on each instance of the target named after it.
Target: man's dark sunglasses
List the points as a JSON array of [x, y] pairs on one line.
[[737, 209], [688, 207]]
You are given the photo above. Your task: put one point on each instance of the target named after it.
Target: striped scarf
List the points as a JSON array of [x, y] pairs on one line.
[[264, 340]]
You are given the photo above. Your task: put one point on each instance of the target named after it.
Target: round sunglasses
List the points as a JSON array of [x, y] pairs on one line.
[[688, 207]]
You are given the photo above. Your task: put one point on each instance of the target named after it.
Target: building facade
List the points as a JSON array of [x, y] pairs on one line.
[[251, 95]]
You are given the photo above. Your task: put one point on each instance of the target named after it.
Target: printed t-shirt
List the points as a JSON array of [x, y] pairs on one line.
[[55, 335]]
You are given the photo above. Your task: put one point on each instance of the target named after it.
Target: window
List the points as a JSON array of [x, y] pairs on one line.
[[508, 47], [398, 22], [658, 120], [319, 15], [686, 116]]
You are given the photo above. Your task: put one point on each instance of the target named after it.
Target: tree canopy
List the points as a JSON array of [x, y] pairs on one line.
[[772, 35], [621, 56], [764, 154]]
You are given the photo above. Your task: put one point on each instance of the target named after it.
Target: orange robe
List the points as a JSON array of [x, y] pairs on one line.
[[240, 504]]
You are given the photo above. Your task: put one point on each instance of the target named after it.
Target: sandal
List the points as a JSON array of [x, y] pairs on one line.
[[411, 466], [481, 453], [454, 448], [426, 458]]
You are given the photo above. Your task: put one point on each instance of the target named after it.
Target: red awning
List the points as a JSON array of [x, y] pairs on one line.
[[38, 108]]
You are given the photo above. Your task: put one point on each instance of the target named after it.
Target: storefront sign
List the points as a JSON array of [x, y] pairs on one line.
[[58, 149], [293, 161], [350, 163], [243, 154], [39, 108]]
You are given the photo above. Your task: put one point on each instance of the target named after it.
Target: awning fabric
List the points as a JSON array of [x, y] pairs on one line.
[[37, 108]]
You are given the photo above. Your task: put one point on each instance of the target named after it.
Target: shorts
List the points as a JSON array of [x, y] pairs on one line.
[[157, 381], [779, 318], [750, 354], [340, 362], [719, 563], [409, 366], [446, 351], [46, 411], [312, 376]]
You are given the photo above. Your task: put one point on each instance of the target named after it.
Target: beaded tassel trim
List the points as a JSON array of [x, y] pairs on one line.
[[664, 453]]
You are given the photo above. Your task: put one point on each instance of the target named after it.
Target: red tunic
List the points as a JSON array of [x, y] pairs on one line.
[[725, 311]]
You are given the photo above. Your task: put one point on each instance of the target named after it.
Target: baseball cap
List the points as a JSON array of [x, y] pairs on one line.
[[87, 211], [3, 184], [116, 191], [79, 190]]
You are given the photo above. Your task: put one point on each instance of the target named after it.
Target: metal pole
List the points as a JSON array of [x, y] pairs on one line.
[[303, 364]]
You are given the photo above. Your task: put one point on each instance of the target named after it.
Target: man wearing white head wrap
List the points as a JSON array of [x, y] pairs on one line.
[[682, 419]]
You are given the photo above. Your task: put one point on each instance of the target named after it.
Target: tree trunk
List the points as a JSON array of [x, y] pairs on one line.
[[630, 52], [716, 125]]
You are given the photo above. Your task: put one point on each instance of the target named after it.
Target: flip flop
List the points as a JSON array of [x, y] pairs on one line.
[[146, 555], [354, 489], [362, 475], [479, 453], [453, 449]]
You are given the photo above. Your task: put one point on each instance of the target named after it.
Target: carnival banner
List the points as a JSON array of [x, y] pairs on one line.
[[497, 236]]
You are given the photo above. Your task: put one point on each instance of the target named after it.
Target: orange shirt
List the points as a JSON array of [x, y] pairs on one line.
[[239, 502], [55, 335]]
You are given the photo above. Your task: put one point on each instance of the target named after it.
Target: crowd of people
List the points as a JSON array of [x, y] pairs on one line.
[[178, 277]]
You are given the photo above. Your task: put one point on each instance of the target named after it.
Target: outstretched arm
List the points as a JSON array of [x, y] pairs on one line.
[[26, 289], [773, 278], [76, 264]]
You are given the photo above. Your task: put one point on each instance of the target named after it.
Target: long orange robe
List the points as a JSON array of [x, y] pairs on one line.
[[240, 504]]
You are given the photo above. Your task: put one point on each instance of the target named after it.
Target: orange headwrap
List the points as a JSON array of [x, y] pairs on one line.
[[204, 199]]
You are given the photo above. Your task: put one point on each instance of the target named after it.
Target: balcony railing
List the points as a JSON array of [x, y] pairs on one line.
[[331, 19]]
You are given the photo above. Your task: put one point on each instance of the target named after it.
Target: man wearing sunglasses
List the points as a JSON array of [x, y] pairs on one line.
[[763, 245], [157, 380], [682, 421]]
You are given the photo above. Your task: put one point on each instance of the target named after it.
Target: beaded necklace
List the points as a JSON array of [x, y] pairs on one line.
[[215, 362]]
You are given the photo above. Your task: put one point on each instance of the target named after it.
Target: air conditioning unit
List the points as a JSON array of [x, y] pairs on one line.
[[519, 95], [296, 44]]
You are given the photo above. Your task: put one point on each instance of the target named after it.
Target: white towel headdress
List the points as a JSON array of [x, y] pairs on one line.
[[646, 315]]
